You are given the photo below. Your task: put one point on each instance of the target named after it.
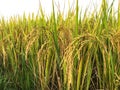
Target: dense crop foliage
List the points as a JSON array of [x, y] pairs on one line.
[[40, 53]]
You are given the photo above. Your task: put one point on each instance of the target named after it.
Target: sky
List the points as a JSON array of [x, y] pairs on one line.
[[10, 8]]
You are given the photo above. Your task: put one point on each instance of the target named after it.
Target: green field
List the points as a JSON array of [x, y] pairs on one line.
[[56, 53]]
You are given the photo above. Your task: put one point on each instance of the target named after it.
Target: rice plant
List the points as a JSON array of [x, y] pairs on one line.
[[57, 53]]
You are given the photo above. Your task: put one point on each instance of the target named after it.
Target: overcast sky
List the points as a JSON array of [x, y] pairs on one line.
[[18, 7]]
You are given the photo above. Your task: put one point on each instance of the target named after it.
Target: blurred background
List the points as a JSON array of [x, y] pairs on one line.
[[10, 8]]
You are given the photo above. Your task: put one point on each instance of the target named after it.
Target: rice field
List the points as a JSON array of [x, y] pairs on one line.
[[57, 53]]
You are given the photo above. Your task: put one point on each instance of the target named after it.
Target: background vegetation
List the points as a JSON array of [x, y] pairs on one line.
[[56, 53]]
